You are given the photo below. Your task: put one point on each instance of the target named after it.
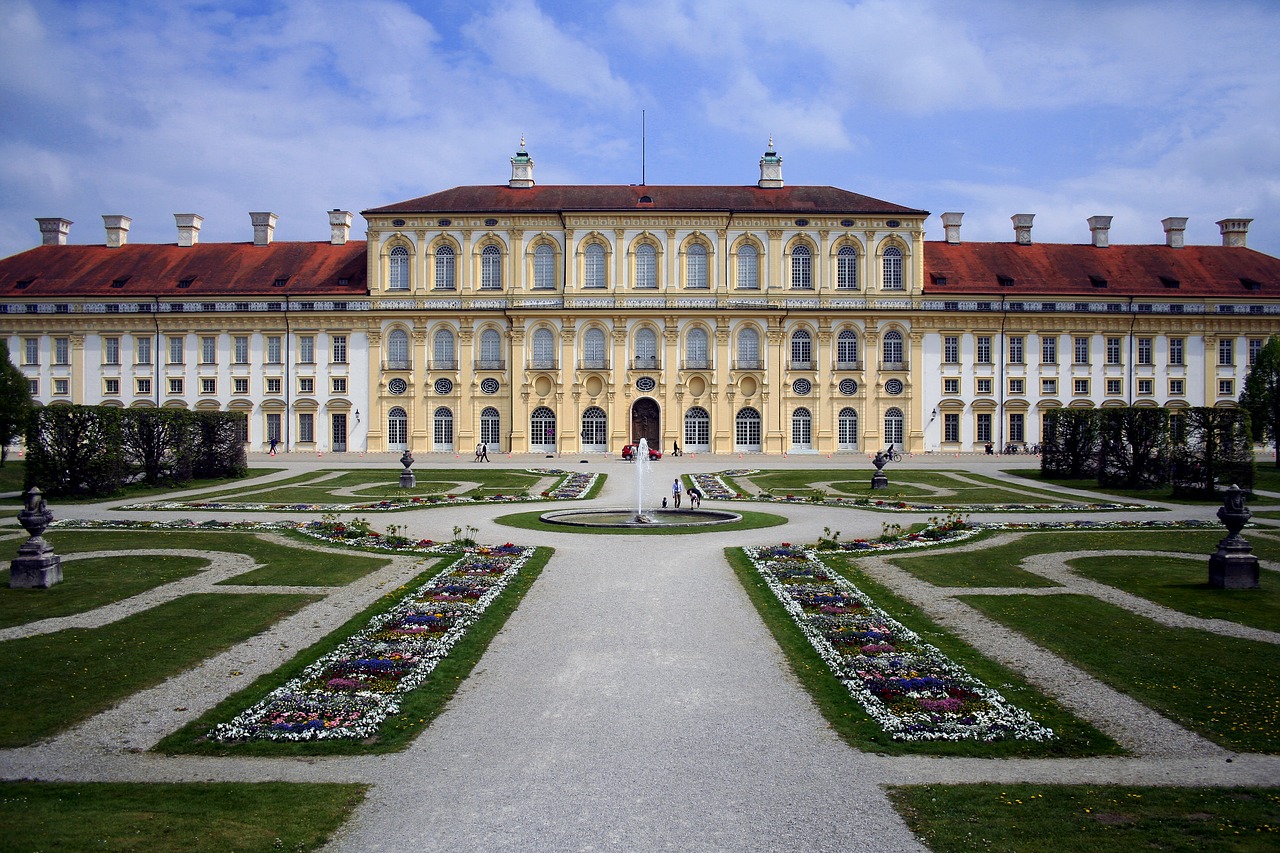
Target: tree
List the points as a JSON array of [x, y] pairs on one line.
[[1261, 395], [15, 402]]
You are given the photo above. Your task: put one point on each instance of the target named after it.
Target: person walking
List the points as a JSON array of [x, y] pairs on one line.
[[675, 492], [274, 442], [482, 452]]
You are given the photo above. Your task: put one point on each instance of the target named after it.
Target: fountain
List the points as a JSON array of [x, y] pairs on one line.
[[642, 474]]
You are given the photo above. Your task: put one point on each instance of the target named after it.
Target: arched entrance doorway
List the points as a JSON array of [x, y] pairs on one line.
[[644, 421]]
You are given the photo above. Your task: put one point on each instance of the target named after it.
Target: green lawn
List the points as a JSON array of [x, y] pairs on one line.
[[1090, 818], [172, 818], [372, 485], [52, 681], [1222, 687], [904, 484], [12, 473]]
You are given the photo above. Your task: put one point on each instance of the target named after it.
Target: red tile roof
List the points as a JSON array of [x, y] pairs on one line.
[[1057, 269], [613, 197], [214, 270]]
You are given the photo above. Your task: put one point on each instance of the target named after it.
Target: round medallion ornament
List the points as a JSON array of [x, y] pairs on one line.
[[645, 383], [443, 386], [893, 387], [489, 386], [397, 386], [801, 386], [848, 387]]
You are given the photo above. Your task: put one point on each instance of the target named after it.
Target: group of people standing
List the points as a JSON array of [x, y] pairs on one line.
[[695, 495]]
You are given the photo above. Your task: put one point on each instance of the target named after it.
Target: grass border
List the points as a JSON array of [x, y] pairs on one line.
[[532, 521]]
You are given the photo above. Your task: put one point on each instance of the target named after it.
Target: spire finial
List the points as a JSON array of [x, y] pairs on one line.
[[521, 141]]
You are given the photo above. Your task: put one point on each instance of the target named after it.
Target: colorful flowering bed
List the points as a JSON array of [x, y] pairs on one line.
[[909, 687], [572, 486], [350, 691]]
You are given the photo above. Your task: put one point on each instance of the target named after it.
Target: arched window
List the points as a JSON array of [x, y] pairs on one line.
[[443, 429], [697, 430], [892, 278], [491, 428], [801, 350], [542, 429], [646, 266], [847, 430], [398, 269], [445, 269], [749, 349], [893, 349], [398, 350], [593, 352], [593, 266], [893, 426], [544, 267], [748, 268], [847, 268], [544, 349], [491, 268], [847, 350], [696, 267], [646, 348], [695, 356], [595, 433], [747, 429], [491, 350], [443, 355], [801, 268], [802, 429], [397, 429]]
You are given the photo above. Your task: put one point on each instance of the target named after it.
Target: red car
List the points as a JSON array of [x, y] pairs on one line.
[[629, 453]]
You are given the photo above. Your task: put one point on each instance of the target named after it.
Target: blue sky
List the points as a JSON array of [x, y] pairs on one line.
[[1066, 110]]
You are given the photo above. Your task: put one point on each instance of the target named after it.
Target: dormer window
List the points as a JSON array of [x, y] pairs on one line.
[[1171, 283], [184, 283], [940, 279], [23, 284], [280, 282], [1005, 280], [1097, 281], [119, 283], [1250, 284], [343, 282]]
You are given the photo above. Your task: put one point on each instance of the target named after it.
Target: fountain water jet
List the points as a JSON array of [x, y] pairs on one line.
[[642, 473]]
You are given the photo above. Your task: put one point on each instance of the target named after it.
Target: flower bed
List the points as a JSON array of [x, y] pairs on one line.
[[910, 688], [349, 692]]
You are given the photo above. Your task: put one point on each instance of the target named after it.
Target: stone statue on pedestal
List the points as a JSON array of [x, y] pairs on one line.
[[1233, 565], [36, 566], [407, 478]]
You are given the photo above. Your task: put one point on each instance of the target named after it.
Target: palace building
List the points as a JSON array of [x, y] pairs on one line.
[[577, 319]]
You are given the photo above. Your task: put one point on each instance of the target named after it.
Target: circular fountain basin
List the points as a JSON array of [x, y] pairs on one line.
[[653, 518]]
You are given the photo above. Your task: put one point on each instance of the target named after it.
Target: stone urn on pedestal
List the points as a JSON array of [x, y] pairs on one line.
[[1233, 565], [407, 479], [879, 480], [36, 566]]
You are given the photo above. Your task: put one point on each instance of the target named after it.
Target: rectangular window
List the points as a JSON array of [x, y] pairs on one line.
[[951, 426], [1226, 352], [1017, 424], [1080, 387], [1015, 349], [1049, 387], [984, 349], [339, 349], [61, 351], [110, 350], [1146, 387], [208, 350], [273, 349], [33, 385], [1144, 351], [306, 385], [143, 387], [1113, 350], [950, 386], [1114, 387], [984, 386], [208, 385], [306, 427], [984, 427], [273, 384], [242, 349], [1226, 388], [240, 384], [175, 386], [1176, 347], [339, 384], [951, 349], [1082, 350], [1177, 387], [142, 347], [1048, 350], [273, 427], [111, 387], [175, 349], [31, 351], [1255, 347], [1017, 386], [61, 387], [306, 349]]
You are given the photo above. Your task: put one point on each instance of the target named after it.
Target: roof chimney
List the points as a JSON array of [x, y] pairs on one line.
[[117, 227], [54, 231], [951, 222], [264, 227], [1235, 232], [770, 169], [339, 226], [188, 228], [1100, 228], [521, 169], [1022, 228], [1175, 231]]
